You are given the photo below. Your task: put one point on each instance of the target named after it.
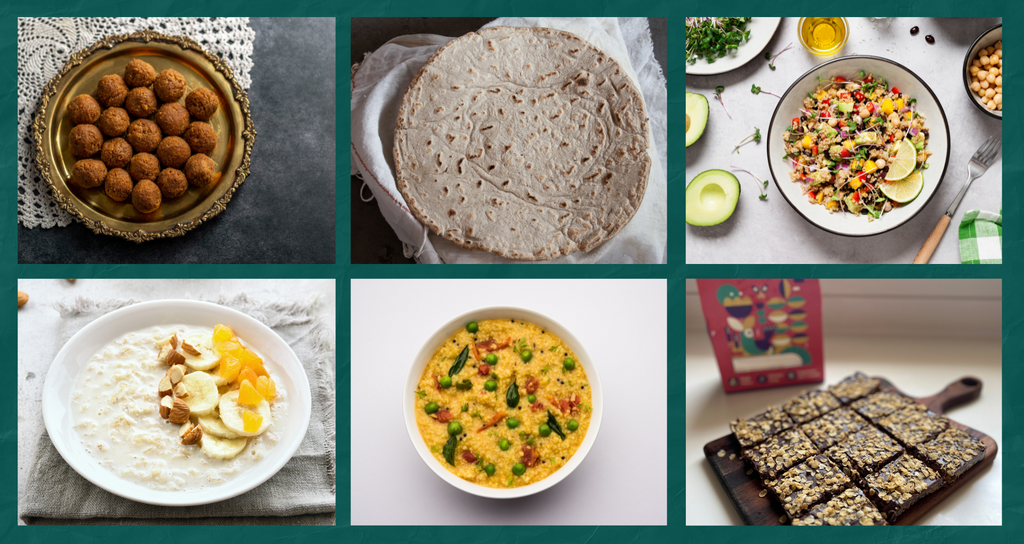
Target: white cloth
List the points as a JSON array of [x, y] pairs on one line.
[[380, 81], [44, 45]]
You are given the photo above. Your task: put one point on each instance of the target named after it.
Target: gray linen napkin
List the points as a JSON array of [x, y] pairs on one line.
[[302, 493]]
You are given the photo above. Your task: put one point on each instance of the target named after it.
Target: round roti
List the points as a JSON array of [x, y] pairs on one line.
[[526, 142]]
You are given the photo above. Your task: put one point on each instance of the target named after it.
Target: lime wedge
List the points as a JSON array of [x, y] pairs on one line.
[[904, 162], [904, 190]]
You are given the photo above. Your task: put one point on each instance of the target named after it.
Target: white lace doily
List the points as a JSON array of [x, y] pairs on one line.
[[44, 45]]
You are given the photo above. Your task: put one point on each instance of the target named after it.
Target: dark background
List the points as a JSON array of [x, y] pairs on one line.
[[373, 241], [284, 212]]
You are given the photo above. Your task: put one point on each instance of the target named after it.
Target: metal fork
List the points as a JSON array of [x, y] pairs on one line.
[[977, 167]]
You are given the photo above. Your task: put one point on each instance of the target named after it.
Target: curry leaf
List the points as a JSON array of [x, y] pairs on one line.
[[449, 450], [553, 423], [460, 362]]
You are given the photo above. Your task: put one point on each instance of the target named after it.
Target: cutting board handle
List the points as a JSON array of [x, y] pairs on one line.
[[963, 390]]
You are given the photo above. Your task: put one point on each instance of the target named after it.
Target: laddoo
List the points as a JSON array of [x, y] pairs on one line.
[[141, 102], [169, 85], [85, 141], [88, 173], [139, 73], [83, 110], [201, 137], [111, 91], [113, 121], [173, 152], [116, 153], [144, 166], [144, 135], [172, 182], [202, 103], [199, 170], [172, 118], [118, 185], [146, 196]]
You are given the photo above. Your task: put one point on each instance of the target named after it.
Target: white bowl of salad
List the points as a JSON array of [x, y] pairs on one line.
[[858, 145]]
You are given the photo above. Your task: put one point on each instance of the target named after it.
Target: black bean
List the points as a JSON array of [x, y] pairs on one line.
[[929, 38], [914, 31]]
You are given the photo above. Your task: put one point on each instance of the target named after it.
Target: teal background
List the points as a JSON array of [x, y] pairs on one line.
[[675, 272]]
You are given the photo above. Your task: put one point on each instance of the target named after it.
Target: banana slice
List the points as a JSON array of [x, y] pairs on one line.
[[202, 393], [203, 343], [231, 414], [212, 425], [223, 448]]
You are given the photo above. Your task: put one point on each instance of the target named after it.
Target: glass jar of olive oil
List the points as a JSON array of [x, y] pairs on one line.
[[823, 36]]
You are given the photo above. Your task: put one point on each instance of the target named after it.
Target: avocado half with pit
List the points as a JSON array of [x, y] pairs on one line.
[[696, 117], [711, 198]]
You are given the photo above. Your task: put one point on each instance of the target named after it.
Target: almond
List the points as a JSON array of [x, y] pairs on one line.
[[179, 412], [174, 358], [180, 391], [174, 340], [185, 427], [188, 348], [176, 373], [22, 298], [165, 387], [192, 436], [166, 403], [165, 350]]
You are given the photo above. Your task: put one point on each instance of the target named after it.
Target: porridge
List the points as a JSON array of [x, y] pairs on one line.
[[178, 408]]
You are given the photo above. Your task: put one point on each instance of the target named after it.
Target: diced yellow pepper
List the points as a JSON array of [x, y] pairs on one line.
[[848, 144], [909, 115], [807, 143], [855, 183], [887, 106], [831, 204], [899, 104], [819, 196], [822, 95], [869, 166]]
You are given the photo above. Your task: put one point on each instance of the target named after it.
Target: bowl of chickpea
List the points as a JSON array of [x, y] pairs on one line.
[[983, 72]]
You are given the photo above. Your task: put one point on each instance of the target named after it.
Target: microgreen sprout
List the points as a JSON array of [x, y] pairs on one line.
[[755, 137], [713, 37], [718, 95], [762, 185], [757, 90], [771, 58]]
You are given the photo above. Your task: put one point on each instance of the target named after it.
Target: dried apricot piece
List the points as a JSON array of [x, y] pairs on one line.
[[247, 394], [266, 387], [251, 422], [247, 374], [230, 367], [223, 333]]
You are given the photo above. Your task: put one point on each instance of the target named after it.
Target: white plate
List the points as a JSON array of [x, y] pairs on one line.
[[761, 31], [989, 37], [501, 312], [61, 379], [898, 76]]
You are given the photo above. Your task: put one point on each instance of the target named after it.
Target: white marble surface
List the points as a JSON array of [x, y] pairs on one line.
[[771, 231], [919, 367], [39, 326]]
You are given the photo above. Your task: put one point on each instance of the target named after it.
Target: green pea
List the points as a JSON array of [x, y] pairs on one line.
[[531, 398], [490, 385], [544, 430], [504, 444], [489, 469], [518, 469], [572, 425], [454, 428], [472, 327], [526, 355], [491, 359], [568, 363], [446, 382], [512, 423], [430, 408]]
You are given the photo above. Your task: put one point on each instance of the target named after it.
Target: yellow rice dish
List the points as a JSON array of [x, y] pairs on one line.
[[503, 403]]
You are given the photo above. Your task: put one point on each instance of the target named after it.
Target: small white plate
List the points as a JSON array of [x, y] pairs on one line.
[[761, 31], [61, 379], [501, 312]]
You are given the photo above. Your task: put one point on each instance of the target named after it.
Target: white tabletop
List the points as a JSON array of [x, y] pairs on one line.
[[793, 239], [919, 367], [39, 326]]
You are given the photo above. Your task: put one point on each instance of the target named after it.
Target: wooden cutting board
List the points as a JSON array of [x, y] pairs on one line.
[[744, 488]]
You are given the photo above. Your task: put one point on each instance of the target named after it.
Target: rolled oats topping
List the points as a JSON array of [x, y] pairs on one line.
[[864, 451], [807, 484], [758, 428], [854, 387], [883, 403], [900, 484], [810, 405], [851, 507], [832, 427], [952, 452], [779, 453], [913, 426]]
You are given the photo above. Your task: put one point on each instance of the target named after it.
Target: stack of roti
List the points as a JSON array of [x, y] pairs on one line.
[[526, 142]]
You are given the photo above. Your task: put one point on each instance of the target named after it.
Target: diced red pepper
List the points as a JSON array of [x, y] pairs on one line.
[[859, 96], [842, 122], [840, 79], [895, 90], [868, 79], [844, 96], [856, 196], [871, 107], [824, 114], [890, 138], [825, 102], [812, 194], [844, 153], [796, 122], [814, 149]]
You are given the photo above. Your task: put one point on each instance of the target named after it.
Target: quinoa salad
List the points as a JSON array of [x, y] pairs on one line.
[[847, 138]]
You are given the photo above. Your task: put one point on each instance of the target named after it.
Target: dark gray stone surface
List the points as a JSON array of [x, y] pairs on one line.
[[373, 241], [285, 211]]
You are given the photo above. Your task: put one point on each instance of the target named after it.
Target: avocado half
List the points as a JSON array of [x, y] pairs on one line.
[[696, 117], [711, 198]]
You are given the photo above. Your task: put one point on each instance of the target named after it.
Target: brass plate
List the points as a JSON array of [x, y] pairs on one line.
[[176, 216]]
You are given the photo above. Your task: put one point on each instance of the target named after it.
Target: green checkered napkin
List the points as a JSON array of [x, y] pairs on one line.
[[981, 237]]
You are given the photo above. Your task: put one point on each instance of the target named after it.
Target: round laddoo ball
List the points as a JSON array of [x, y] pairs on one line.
[[172, 182], [146, 196], [113, 121], [118, 185], [173, 152], [111, 91], [144, 166], [88, 173], [83, 110], [144, 135], [116, 153], [201, 137], [173, 118], [199, 170], [141, 102], [139, 73], [85, 141], [202, 103], [169, 85]]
